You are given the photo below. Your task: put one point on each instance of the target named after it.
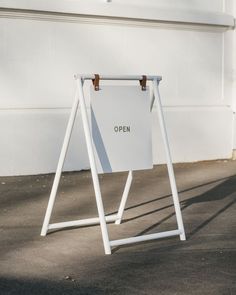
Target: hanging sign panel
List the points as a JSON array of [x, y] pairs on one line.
[[121, 128]]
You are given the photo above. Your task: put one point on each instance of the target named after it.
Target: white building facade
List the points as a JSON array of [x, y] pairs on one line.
[[190, 43]]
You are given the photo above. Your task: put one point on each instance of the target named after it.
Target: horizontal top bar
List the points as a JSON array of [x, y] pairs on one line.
[[117, 77]]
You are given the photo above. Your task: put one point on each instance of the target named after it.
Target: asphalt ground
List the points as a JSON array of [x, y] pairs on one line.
[[72, 261]]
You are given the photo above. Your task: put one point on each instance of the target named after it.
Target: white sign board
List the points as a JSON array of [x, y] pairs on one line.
[[121, 128]]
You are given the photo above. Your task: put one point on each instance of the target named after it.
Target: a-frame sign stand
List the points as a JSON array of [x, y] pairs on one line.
[[102, 219]]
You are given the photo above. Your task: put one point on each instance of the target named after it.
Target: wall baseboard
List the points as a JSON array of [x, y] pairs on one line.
[[31, 140]]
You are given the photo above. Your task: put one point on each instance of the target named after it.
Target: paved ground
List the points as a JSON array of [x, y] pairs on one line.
[[73, 262]]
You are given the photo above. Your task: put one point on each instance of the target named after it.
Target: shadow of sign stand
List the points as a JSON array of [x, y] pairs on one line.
[[118, 138]]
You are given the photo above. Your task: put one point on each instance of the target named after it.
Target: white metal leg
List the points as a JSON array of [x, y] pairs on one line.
[[60, 164], [169, 161], [96, 185], [124, 197], [152, 100], [128, 183]]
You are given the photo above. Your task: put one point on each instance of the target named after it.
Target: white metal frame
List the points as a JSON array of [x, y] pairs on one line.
[[102, 219]]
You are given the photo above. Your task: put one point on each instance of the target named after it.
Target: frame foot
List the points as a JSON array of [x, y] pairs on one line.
[[118, 221], [182, 237]]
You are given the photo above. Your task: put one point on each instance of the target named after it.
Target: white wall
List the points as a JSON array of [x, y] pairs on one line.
[[40, 53], [234, 83]]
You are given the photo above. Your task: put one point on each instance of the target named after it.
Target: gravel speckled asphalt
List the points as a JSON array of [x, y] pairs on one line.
[[72, 261]]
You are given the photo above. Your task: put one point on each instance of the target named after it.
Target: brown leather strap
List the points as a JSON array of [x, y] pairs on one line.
[[143, 82], [96, 82]]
